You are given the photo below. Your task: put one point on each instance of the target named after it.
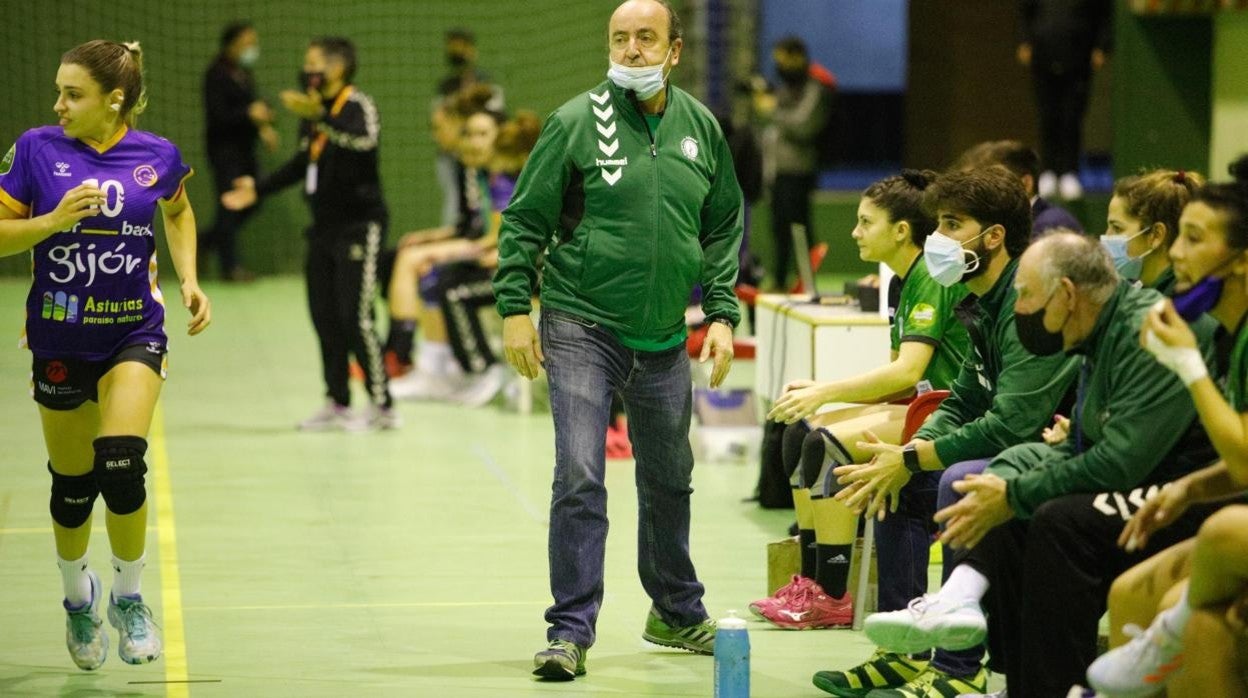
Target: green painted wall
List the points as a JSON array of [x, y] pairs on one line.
[[542, 51], [1230, 91], [1161, 93]]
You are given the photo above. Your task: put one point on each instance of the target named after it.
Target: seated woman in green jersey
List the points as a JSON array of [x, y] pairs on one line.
[[1202, 583], [928, 346]]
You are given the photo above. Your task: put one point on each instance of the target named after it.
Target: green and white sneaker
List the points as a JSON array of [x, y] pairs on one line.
[[883, 670], [140, 638], [84, 635], [698, 638], [928, 622], [934, 683], [562, 660]]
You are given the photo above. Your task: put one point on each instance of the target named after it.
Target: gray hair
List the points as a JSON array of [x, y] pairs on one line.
[[1066, 254]]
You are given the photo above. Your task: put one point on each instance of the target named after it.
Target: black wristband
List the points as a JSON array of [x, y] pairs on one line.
[[722, 320], [910, 457]]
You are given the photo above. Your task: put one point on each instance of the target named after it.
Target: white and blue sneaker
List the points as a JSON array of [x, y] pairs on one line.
[[1141, 667], [928, 622], [84, 637], [140, 638]]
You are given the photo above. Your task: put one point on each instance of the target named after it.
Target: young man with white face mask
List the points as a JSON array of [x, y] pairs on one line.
[[1004, 396], [631, 198]]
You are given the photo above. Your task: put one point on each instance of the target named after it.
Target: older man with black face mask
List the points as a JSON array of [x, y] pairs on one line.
[[631, 198], [1041, 524]]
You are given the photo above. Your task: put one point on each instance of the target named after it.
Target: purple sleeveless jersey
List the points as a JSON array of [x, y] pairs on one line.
[[94, 290]]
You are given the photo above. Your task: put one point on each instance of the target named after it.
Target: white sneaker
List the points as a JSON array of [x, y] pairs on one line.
[[1046, 185], [374, 418], [1139, 668], [482, 388], [140, 638], [84, 636], [1070, 187], [928, 622], [419, 385], [331, 417]]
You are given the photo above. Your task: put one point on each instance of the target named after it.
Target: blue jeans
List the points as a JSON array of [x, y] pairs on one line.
[[961, 662], [903, 542], [586, 365]]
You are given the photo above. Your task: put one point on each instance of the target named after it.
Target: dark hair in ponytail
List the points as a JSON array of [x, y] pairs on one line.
[[901, 196], [1231, 199]]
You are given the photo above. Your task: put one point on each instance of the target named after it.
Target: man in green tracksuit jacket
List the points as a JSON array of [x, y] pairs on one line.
[[630, 197], [1042, 577]]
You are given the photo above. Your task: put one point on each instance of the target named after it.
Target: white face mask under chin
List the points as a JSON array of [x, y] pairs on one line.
[[645, 81]]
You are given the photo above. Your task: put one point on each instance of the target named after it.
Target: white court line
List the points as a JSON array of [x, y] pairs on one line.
[[499, 474]]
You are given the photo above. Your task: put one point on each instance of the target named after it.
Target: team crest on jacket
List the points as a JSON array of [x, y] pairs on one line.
[[689, 147]]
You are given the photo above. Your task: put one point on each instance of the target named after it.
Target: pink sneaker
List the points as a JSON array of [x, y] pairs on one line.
[[783, 594], [811, 609]]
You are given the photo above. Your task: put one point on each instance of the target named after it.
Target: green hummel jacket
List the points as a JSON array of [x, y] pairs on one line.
[[628, 218], [1135, 421], [1004, 394]]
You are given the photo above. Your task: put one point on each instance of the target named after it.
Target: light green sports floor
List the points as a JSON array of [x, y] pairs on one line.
[[396, 564]]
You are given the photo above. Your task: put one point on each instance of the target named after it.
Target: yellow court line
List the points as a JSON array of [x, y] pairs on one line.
[[170, 579], [412, 604]]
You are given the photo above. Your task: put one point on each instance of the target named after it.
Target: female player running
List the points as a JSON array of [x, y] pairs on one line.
[[83, 196]]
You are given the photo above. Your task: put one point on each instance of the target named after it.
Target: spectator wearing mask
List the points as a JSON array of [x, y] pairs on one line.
[[236, 119]]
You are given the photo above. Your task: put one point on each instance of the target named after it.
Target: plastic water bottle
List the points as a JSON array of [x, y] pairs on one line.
[[732, 658]]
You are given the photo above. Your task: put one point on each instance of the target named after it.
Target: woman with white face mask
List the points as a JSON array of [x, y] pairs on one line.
[[1201, 618], [235, 119], [1143, 222]]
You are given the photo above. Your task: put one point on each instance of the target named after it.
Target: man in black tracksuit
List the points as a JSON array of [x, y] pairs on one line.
[[338, 165]]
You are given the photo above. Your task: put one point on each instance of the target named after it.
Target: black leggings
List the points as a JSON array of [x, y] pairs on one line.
[[463, 290], [341, 274]]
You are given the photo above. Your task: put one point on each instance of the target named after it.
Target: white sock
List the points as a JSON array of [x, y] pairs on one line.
[[1174, 619], [432, 357], [127, 577], [450, 365], [75, 580], [965, 585]]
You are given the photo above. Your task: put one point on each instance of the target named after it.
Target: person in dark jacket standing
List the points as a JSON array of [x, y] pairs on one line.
[[236, 118], [1019, 158], [1064, 41], [631, 197], [337, 163], [796, 115]]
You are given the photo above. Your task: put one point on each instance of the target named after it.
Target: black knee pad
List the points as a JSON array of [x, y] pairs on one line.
[[119, 471], [791, 452], [821, 454], [73, 496]]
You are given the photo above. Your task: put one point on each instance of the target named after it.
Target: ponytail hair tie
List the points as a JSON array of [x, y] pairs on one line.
[[1181, 177]]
